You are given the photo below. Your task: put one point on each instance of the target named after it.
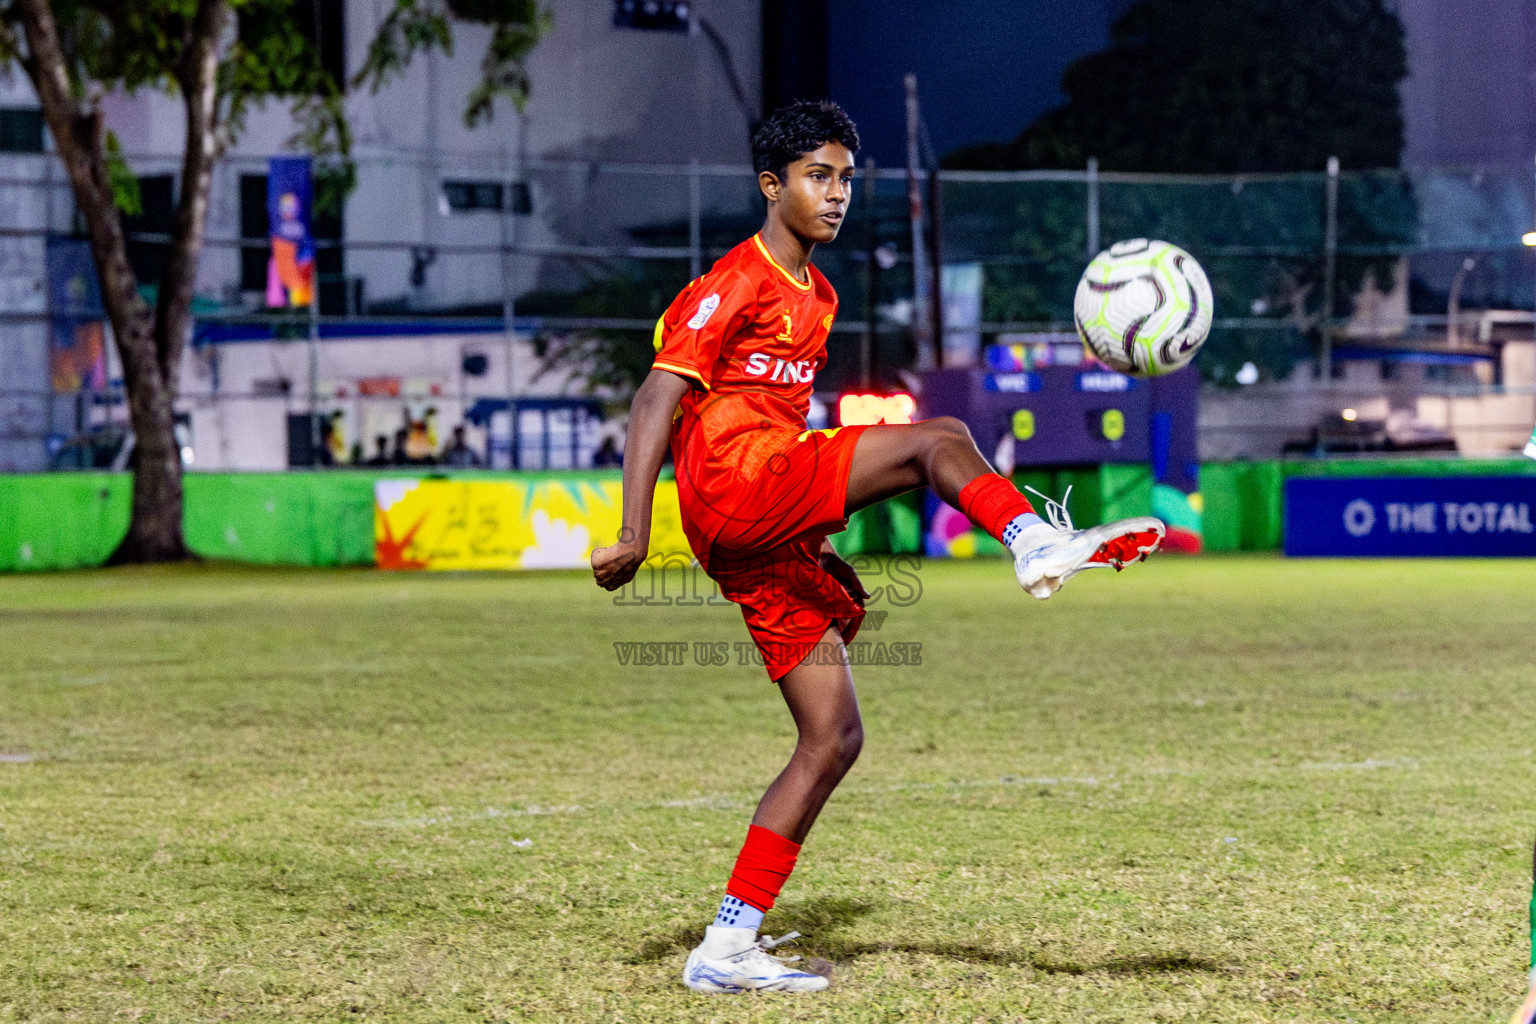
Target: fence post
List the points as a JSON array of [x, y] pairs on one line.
[[508, 247], [1093, 207], [1330, 270], [695, 216]]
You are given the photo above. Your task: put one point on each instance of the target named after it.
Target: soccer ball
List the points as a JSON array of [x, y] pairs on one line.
[[1143, 308]]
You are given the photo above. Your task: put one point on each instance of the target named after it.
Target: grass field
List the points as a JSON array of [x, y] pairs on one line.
[[1217, 789]]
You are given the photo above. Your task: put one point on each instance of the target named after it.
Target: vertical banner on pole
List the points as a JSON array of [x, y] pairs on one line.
[[960, 291], [290, 200], [76, 349], [1174, 435]]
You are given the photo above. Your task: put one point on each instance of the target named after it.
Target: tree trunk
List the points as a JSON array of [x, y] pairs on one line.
[[154, 528], [149, 345]]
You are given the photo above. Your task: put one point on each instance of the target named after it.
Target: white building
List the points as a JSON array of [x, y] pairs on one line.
[[435, 201]]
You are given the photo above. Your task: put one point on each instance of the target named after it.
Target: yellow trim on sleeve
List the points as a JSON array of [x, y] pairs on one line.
[[804, 286], [656, 335], [686, 371]]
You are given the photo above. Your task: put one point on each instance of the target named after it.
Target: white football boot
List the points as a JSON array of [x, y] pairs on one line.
[[737, 960], [1048, 554]]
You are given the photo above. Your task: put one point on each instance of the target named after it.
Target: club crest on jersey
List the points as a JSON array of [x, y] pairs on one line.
[[706, 310]]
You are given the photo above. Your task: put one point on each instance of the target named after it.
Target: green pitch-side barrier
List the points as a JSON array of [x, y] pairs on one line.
[[74, 520]]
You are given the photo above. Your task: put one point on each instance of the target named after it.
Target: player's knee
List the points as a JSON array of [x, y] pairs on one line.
[[949, 427], [948, 434], [845, 746], [849, 746], [834, 751]]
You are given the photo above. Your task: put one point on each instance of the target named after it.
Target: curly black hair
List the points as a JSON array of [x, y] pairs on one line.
[[802, 127]]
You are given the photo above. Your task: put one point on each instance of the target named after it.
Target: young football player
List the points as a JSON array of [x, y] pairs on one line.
[[729, 389]]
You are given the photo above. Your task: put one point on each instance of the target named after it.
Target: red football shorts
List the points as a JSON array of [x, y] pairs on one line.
[[756, 513]]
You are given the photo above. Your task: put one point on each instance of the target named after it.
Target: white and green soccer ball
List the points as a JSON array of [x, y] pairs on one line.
[[1143, 307]]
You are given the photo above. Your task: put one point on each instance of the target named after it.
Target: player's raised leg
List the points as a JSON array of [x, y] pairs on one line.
[[732, 958], [940, 453]]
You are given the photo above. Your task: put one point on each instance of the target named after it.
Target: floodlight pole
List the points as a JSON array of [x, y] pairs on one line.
[[1330, 270], [316, 438], [936, 242], [508, 247], [695, 218], [920, 321], [871, 240], [1093, 207]]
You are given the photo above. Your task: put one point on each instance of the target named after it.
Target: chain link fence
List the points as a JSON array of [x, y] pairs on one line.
[[1307, 269]]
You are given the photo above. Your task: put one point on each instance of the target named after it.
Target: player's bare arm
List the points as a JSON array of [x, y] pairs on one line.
[[645, 448], [841, 571]]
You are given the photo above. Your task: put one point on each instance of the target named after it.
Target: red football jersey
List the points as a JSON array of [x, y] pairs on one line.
[[753, 337]]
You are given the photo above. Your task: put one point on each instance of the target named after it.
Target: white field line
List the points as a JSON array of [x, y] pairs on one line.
[[740, 800], [710, 801]]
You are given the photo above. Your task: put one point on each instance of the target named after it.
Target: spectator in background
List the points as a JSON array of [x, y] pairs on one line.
[[397, 457], [458, 453], [325, 455], [380, 457], [419, 447]]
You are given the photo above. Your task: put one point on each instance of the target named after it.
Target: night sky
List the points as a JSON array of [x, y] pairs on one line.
[[985, 68]]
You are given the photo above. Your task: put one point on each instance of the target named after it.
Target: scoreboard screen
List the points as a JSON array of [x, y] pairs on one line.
[[1069, 415]]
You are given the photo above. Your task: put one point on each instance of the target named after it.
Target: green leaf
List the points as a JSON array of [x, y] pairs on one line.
[[125, 184]]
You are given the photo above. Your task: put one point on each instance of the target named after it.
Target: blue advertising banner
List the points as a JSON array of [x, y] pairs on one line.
[[1411, 516], [77, 357], [290, 196]]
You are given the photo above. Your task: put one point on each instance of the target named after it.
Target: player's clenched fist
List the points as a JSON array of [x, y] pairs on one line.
[[616, 564]]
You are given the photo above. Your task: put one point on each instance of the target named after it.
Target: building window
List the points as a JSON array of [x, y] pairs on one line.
[[21, 130], [157, 197], [464, 196]]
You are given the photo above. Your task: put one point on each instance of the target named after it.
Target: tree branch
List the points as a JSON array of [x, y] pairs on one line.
[[197, 74]]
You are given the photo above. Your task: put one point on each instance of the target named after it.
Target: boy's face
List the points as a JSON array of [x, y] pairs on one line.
[[812, 198]]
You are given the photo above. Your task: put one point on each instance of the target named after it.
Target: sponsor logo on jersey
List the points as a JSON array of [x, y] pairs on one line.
[[706, 310], [798, 372]]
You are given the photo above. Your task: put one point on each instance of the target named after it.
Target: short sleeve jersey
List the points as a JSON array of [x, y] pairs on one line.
[[753, 337]]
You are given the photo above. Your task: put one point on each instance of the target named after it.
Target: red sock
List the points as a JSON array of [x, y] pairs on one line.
[[765, 861], [992, 503]]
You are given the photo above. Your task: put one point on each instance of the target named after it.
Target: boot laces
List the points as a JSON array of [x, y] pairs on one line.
[[766, 944], [1056, 511]]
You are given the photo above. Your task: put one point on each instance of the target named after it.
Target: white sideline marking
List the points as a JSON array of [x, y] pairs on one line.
[[1369, 764], [488, 814], [713, 801], [17, 758], [736, 801]]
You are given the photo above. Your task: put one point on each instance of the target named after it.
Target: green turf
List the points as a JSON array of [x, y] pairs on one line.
[[1218, 789]]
